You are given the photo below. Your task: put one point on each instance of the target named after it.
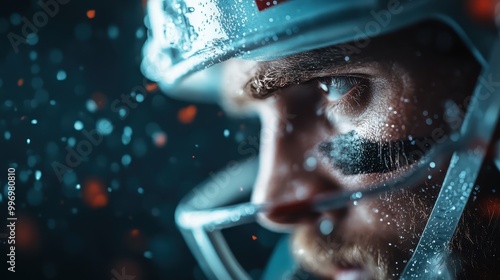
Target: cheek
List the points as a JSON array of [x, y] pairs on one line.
[[397, 218], [407, 105]]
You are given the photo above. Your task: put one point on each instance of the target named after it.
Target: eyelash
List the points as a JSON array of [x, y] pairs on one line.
[[356, 86], [338, 82]]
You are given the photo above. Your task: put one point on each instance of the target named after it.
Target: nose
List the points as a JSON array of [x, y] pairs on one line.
[[291, 169]]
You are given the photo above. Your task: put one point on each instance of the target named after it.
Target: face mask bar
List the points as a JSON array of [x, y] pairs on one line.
[[479, 125], [202, 228]]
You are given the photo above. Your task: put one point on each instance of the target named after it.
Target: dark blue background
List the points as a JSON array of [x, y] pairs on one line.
[[60, 235]]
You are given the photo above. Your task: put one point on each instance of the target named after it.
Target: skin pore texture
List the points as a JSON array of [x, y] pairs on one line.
[[332, 122]]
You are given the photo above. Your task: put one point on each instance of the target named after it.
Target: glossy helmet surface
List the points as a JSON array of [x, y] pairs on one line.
[[188, 39]]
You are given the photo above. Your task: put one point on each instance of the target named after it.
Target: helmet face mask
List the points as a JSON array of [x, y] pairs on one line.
[[202, 214]]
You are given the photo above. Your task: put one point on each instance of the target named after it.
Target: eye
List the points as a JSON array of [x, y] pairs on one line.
[[336, 87]]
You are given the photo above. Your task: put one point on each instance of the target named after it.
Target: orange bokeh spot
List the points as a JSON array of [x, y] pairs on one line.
[[254, 237], [482, 10], [134, 232], [94, 194], [91, 14], [134, 240], [20, 82], [151, 87], [187, 114], [160, 139], [27, 234]]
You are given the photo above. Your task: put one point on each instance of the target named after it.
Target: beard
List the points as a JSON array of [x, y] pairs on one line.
[[381, 250], [377, 249]]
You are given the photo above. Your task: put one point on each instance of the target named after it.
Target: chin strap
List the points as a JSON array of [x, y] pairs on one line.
[[431, 257]]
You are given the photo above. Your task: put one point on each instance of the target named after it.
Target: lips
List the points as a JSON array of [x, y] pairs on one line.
[[351, 274], [346, 271]]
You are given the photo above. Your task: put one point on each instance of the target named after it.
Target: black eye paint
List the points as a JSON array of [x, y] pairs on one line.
[[353, 154]]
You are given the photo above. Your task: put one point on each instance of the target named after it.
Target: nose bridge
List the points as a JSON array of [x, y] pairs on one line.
[[290, 166]]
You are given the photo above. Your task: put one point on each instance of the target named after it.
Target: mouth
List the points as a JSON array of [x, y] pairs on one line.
[[350, 272]]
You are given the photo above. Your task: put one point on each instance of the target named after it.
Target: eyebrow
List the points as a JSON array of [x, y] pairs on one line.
[[298, 68]]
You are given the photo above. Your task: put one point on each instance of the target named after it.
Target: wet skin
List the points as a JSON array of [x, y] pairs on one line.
[[334, 123]]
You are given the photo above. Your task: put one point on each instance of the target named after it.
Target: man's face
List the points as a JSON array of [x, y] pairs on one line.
[[332, 122]]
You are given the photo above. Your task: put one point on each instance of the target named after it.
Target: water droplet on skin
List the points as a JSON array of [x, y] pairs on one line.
[[356, 195], [326, 227], [310, 164], [300, 192]]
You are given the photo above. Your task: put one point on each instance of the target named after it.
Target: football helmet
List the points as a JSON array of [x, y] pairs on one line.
[[188, 39]]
